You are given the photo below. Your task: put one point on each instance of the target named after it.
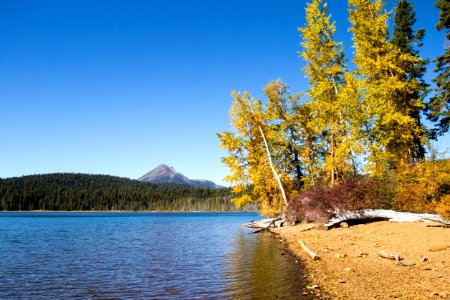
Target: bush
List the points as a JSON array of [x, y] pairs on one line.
[[424, 187], [320, 203]]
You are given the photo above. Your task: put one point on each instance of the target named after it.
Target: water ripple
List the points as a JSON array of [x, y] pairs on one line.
[[141, 256]]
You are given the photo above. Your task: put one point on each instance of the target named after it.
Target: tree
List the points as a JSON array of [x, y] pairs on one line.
[[255, 174], [281, 110], [407, 41], [325, 70], [439, 106], [388, 128]]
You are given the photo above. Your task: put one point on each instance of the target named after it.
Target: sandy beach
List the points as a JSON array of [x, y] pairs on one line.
[[350, 266]]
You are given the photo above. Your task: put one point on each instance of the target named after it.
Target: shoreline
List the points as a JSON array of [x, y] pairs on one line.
[[127, 211], [351, 268]]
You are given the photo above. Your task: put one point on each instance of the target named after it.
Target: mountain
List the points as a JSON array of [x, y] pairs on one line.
[[168, 175]]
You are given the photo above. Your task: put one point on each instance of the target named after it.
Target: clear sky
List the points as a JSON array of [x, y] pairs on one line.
[[118, 87]]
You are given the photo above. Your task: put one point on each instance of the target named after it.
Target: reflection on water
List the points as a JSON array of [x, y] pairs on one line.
[[260, 268], [141, 256]]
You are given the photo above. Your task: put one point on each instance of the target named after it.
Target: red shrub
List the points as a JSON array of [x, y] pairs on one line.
[[320, 203]]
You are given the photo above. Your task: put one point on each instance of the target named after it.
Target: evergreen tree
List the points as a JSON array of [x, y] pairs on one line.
[[101, 192], [439, 106], [407, 41]]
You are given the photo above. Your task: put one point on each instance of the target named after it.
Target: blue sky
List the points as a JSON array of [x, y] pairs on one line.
[[118, 87]]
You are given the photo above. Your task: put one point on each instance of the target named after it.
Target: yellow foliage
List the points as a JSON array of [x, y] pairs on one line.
[[255, 152], [443, 207], [424, 187], [242, 201], [389, 130], [328, 99]]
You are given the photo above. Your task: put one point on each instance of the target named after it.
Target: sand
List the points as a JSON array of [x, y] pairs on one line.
[[350, 266]]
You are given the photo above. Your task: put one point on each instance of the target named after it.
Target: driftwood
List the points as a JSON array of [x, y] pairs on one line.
[[398, 259], [393, 216], [264, 224], [313, 255], [390, 255]]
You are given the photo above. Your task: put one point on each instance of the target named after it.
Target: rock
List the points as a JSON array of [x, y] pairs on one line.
[[438, 247], [423, 258], [338, 255], [443, 295], [332, 248], [406, 263], [396, 295], [312, 287], [344, 224], [361, 254], [348, 269]]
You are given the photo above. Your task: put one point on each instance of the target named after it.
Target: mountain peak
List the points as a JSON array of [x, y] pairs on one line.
[[168, 175], [164, 168], [164, 174]]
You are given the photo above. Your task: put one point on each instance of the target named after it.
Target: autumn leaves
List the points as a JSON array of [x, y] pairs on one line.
[[359, 120]]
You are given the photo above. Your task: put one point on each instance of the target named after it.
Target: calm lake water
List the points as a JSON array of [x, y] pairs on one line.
[[142, 256]]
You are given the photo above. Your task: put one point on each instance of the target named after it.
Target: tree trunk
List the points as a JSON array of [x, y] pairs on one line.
[[332, 155], [275, 174], [269, 157]]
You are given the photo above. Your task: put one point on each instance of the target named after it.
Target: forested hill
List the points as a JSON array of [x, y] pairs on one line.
[[67, 192]]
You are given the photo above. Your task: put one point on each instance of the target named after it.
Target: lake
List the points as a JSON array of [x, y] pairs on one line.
[[142, 256]]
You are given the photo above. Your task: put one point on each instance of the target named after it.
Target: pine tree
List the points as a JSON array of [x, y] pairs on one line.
[[407, 41], [439, 105]]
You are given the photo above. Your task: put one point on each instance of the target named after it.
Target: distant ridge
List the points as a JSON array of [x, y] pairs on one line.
[[168, 175]]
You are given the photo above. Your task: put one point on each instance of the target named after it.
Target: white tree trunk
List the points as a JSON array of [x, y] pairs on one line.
[[393, 216], [274, 171]]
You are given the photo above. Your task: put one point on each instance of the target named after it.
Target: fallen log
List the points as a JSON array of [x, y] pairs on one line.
[[313, 255], [262, 224], [393, 216]]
